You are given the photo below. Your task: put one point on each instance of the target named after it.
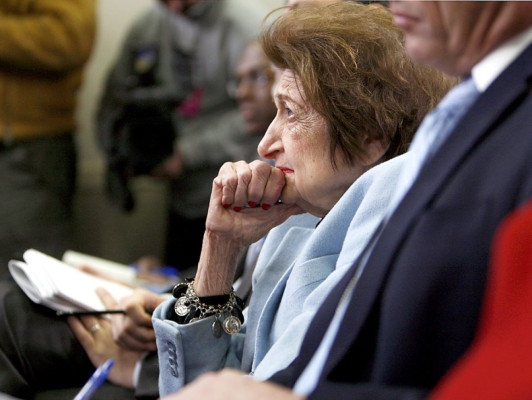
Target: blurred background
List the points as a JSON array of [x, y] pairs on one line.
[[100, 228]]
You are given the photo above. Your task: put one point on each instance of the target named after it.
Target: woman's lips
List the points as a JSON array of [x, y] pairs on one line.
[[286, 170]]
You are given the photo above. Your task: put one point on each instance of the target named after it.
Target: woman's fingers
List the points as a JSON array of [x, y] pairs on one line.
[[234, 179], [259, 189], [244, 176], [244, 184], [273, 189]]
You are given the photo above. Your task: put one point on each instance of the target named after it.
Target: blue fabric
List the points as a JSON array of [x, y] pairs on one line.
[[433, 131], [297, 267]]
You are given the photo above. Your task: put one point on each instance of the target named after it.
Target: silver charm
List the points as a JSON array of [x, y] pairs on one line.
[[216, 328], [180, 307], [232, 325]]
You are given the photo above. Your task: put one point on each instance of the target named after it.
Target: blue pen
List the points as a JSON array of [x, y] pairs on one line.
[[95, 381]]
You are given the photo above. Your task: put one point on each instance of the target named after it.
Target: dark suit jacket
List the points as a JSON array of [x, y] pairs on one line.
[[497, 365], [416, 306]]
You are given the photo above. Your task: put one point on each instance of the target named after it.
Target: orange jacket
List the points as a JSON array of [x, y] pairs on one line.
[[44, 45]]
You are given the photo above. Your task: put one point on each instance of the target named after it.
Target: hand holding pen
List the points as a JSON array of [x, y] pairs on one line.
[[96, 335], [133, 330]]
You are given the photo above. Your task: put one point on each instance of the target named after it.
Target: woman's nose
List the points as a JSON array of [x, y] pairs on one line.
[[271, 143]]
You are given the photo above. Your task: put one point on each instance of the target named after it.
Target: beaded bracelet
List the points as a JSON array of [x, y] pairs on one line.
[[190, 308]]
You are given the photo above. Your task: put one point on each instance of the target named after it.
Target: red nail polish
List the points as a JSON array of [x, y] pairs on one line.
[[266, 206], [227, 205], [237, 209], [252, 203]]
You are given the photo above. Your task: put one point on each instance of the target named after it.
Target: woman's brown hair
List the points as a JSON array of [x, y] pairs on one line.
[[354, 71]]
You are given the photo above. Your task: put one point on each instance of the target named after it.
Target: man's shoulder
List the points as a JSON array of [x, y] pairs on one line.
[[148, 23]]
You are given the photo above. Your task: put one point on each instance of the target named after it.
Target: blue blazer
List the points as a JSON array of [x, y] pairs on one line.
[[298, 265], [416, 305]]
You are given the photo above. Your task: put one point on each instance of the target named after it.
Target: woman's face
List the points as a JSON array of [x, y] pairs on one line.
[[298, 140]]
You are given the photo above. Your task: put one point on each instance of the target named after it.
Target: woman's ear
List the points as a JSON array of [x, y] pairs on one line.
[[375, 150]]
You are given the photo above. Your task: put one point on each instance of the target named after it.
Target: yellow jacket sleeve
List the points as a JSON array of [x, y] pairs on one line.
[[46, 35]]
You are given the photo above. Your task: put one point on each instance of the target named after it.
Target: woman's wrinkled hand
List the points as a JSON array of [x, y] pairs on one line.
[[244, 201]]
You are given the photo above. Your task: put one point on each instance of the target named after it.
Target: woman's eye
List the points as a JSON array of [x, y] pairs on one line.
[[288, 112]]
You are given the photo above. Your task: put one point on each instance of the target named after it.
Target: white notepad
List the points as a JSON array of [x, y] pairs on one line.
[[59, 286]]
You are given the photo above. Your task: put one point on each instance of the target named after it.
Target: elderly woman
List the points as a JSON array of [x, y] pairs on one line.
[[348, 98]]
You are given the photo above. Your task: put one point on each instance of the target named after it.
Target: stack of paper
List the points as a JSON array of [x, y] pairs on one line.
[[59, 286]]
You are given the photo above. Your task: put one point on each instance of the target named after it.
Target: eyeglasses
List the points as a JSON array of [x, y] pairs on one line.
[[256, 79]]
